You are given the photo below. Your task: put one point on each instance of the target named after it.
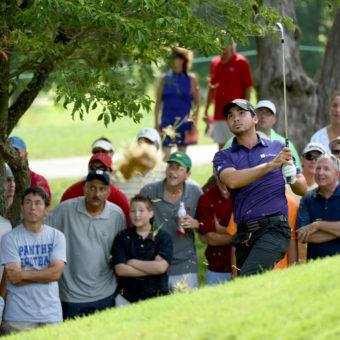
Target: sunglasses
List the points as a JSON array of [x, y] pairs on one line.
[[310, 157], [103, 168], [336, 152]]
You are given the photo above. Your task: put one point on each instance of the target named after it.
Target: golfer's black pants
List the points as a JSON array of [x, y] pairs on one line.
[[263, 249]]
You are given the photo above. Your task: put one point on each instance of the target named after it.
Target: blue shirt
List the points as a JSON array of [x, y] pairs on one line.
[[315, 207], [264, 197]]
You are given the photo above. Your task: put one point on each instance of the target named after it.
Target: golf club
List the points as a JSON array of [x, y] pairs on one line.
[[279, 28]]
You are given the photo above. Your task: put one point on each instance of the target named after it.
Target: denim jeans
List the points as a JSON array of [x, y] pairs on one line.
[[71, 310], [214, 278]]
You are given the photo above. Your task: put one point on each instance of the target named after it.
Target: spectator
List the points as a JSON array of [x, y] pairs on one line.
[[318, 221], [104, 145], [103, 162], [291, 257], [90, 225], [176, 91], [166, 196], [131, 186], [34, 255], [334, 146], [214, 212], [266, 114], [36, 179], [141, 256], [230, 78], [10, 189], [328, 133], [310, 155], [251, 170]]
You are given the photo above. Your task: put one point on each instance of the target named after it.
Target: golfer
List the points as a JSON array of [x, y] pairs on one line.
[[254, 170]]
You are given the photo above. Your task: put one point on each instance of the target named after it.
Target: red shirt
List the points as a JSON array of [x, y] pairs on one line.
[[210, 203], [229, 81], [116, 197], [40, 181]]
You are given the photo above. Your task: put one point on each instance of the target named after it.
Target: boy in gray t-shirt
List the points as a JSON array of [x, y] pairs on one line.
[[34, 255]]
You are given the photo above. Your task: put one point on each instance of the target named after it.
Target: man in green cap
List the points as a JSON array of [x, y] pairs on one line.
[[167, 196]]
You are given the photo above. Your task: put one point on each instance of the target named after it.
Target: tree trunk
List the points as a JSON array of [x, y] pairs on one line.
[[306, 100], [328, 75]]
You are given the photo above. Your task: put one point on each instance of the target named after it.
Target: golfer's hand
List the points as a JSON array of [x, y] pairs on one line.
[[289, 171], [284, 157]]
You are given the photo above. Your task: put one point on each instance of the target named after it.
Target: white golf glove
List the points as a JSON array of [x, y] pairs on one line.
[[289, 171]]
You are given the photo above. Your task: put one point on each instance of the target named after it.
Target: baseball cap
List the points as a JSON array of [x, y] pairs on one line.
[[102, 157], [242, 103], [268, 104], [99, 174], [314, 147], [181, 158], [150, 134], [333, 142], [9, 173], [17, 142], [103, 144]]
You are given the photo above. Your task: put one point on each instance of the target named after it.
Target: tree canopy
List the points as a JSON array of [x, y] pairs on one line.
[[86, 47]]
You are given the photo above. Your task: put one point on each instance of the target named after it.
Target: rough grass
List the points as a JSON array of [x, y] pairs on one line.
[[297, 303]]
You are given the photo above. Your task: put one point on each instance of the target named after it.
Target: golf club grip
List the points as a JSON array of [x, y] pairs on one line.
[[289, 179]]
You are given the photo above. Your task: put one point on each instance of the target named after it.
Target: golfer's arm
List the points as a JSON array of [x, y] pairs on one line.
[[299, 187], [235, 179]]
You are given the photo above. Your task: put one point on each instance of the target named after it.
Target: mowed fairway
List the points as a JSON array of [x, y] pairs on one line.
[[301, 302]]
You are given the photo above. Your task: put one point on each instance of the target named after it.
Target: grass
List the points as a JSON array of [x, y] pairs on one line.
[[296, 303], [50, 132]]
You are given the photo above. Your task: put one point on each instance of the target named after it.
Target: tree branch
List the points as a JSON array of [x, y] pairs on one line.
[[26, 98]]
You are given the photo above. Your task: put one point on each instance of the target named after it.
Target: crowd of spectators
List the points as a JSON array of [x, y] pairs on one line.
[[113, 241]]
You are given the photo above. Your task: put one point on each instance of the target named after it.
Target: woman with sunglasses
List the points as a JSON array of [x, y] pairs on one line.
[[330, 132]]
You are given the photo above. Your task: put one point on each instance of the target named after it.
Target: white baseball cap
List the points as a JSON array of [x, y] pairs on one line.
[[150, 134], [268, 104], [103, 144], [314, 147]]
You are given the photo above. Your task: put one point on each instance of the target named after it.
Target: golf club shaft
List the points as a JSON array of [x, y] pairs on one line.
[[288, 179]]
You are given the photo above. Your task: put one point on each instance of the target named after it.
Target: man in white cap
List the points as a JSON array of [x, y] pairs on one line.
[[334, 146], [266, 114], [131, 186], [104, 145]]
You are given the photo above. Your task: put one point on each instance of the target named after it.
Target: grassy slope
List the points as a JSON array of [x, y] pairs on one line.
[[297, 303]]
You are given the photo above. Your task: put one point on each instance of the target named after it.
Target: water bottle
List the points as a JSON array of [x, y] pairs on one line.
[[181, 212]]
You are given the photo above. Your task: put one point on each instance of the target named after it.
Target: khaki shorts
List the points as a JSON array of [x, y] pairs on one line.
[[221, 132], [8, 327]]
